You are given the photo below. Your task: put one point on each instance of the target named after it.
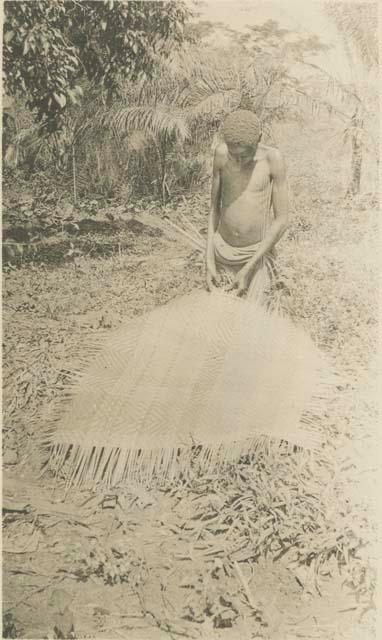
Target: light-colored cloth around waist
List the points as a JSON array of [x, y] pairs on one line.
[[231, 256], [231, 259]]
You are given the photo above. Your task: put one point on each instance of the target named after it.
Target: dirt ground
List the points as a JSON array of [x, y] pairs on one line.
[[144, 563], [181, 586]]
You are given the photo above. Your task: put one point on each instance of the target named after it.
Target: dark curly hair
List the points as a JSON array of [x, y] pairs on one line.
[[242, 127]]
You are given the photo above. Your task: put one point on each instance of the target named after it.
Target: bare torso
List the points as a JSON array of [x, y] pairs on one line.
[[245, 198]]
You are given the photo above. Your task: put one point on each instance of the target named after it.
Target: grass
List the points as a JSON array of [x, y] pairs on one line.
[[318, 515]]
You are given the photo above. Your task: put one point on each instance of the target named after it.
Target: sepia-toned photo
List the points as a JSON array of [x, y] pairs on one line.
[[190, 242]]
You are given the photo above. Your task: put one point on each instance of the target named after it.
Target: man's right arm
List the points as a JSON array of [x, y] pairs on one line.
[[214, 215]]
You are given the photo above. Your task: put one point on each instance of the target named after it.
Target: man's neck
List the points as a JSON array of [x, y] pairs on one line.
[[244, 161], [258, 154]]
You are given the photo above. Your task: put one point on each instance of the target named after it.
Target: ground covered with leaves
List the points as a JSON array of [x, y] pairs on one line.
[[277, 547]]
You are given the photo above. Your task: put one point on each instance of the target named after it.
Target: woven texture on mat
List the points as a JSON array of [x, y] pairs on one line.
[[205, 368]]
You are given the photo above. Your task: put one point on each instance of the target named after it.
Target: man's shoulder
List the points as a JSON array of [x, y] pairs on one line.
[[275, 161], [271, 153], [221, 154]]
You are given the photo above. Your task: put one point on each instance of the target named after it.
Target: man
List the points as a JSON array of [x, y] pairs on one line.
[[248, 179]]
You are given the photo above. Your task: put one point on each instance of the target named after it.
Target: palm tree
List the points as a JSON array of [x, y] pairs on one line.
[[182, 106], [357, 26]]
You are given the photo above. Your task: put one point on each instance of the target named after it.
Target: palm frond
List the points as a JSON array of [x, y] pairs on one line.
[[162, 119], [215, 104], [138, 141], [344, 92], [317, 105], [358, 24]]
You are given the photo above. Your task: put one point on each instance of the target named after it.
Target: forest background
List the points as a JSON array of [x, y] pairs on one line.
[[111, 111]]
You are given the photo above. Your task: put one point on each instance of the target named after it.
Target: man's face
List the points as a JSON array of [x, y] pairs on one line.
[[241, 153]]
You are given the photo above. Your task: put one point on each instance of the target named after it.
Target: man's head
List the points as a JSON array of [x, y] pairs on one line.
[[241, 132]]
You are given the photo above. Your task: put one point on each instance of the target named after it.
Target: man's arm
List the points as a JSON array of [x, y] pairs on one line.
[[214, 215], [279, 224], [279, 202], [280, 208]]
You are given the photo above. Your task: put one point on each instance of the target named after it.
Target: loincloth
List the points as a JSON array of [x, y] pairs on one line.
[[230, 260]]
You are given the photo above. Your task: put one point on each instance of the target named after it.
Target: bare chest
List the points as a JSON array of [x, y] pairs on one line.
[[253, 178]]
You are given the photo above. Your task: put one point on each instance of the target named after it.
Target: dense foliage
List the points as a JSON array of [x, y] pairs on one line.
[[128, 108], [49, 46]]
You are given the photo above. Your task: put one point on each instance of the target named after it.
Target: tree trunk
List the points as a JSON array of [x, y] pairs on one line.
[[74, 175], [357, 136], [356, 166], [163, 154]]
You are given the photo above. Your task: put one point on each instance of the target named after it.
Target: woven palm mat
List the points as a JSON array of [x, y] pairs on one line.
[[206, 372]]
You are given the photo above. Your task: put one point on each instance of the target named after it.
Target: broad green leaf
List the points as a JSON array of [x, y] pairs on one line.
[[60, 99], [72, 96], [8, 36]]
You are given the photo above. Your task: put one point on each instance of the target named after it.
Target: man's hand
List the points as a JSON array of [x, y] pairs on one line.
[[212, 278], [242, 280]]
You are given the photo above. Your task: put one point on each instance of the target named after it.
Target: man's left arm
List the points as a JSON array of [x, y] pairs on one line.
[[279, 202], [279, 224]]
